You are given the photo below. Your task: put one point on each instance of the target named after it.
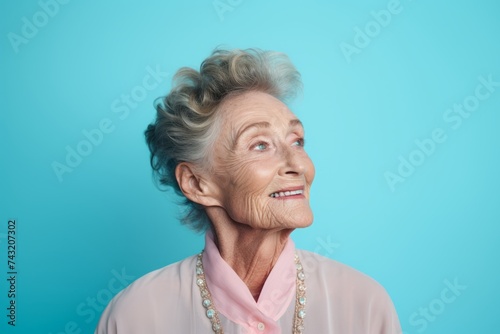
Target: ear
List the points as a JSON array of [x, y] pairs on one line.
[[195, 186]]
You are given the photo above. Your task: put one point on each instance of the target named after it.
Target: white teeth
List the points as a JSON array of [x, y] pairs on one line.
[[287, 193]]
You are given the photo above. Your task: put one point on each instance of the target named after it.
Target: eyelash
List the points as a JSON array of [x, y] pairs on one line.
[[261, 143], [300, 143]]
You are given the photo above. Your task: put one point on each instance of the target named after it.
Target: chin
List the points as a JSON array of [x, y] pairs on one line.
[[304, 221], [305, 224]]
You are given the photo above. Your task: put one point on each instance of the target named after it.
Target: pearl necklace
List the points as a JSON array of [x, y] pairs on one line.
[[211, 311]]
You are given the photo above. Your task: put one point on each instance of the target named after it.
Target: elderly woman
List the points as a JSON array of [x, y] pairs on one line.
[[225, 140]]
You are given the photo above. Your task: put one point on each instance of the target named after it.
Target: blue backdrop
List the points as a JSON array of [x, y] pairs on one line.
[[401, 107]]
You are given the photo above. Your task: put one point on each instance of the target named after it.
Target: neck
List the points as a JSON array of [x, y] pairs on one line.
[[252, 253]]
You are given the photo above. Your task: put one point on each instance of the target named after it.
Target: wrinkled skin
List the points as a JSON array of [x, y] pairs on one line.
[[261, 161], [246, 167]]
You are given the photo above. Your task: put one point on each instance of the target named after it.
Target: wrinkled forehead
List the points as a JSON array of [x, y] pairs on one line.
[[254, 107]]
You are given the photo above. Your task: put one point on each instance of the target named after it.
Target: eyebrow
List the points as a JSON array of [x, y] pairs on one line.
[[295, 122], [262, 125]]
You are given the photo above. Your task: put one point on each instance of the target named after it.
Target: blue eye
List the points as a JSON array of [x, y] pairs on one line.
[[299, 142], [260, 146]]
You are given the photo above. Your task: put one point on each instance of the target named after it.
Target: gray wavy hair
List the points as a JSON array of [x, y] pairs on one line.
[[186, 123]]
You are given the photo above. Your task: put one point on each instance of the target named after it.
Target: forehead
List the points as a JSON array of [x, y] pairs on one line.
[[254, 106]]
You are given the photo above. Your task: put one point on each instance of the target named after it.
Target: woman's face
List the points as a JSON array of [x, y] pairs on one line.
[[262, 173]]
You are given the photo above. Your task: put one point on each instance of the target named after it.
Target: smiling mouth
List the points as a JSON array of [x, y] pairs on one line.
[[287, 193]]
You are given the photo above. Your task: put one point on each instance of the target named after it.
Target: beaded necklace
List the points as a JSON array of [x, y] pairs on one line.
[[213, 315]]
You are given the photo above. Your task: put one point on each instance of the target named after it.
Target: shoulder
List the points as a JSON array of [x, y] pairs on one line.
[[164, 280], [347, 293], [343, 283], [156, 293]]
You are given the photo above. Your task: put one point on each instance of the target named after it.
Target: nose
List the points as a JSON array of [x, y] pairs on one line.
[[293, 162]]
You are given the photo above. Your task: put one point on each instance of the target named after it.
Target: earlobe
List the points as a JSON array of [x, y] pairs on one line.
[[194, 186]]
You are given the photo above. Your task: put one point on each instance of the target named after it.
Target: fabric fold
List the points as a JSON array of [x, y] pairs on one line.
[[233, 299]]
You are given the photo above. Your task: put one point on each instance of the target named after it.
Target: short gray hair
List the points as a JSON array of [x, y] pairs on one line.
[[186, 120]]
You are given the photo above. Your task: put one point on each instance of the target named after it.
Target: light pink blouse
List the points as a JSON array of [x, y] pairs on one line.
[[340, 300]]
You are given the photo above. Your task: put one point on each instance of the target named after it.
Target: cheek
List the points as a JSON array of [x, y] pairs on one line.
[[248, 174], [244, 185], [252, 182]]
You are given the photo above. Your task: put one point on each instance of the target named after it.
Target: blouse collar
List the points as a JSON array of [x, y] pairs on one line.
[[232, 297]]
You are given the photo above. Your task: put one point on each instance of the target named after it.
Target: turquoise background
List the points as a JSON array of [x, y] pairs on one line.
[[362, 111]]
